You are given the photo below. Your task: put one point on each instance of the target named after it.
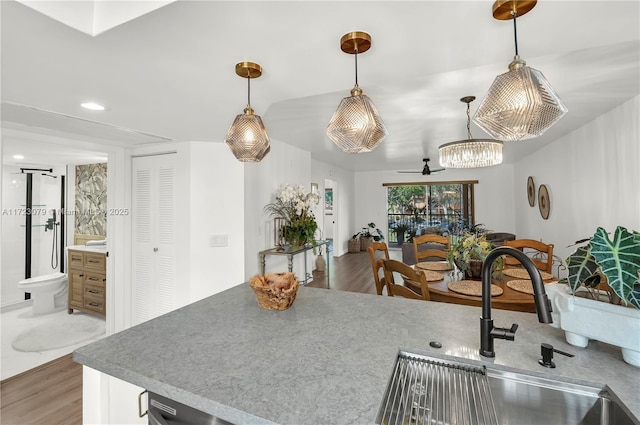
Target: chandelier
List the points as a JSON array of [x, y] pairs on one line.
[[247, 137], [520, 104], [470, 153], [356, 125]]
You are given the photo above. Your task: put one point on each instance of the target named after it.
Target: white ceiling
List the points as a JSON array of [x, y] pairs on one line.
[[169, 74]]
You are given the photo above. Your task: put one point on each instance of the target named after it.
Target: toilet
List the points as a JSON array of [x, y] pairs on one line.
[[48, 292]]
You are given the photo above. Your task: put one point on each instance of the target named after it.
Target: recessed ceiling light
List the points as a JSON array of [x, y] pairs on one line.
[[92, 106], [18, 156]]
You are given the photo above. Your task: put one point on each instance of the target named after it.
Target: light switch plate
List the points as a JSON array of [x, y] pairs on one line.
[[217, 240]]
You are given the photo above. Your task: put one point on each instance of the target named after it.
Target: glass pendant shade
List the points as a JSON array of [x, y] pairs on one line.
[[472, 153], [247, 137], [356, 126], [520, 104]]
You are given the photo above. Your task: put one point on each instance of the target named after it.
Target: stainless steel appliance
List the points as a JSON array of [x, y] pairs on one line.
[[164, 411]]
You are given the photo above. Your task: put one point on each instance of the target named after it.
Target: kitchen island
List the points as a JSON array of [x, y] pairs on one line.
[[328, 358]]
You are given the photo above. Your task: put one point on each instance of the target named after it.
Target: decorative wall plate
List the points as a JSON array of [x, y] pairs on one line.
[[531, 191], [544, 203]]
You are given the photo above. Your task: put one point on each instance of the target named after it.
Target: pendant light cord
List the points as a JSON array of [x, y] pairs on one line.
[[356, 58], [248, 91], [468, 122], [515, 31]]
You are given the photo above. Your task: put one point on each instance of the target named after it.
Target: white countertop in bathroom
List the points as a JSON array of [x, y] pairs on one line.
[[100, 249]]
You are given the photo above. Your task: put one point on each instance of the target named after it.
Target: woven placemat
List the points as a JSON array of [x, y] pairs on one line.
[[523, 274], [472, 287], [432, 276], [441, 266], [521, 285]]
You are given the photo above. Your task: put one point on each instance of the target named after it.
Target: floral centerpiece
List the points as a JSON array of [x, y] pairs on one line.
[[468, 251], [293, 204]]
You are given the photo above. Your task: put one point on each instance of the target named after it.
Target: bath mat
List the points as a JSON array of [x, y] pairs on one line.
[[74, 329]]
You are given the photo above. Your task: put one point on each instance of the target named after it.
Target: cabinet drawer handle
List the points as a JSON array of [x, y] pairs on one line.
[[94, 304], [93, 291], [140, 404], [81, 275], [95, 279], [93, 261]]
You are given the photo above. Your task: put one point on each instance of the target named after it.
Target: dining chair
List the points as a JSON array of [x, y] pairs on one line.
[[437, 246], [378, 252], [541, 253], [410, 276]]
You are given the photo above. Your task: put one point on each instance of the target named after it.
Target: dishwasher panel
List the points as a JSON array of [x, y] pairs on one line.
[[164, 411]]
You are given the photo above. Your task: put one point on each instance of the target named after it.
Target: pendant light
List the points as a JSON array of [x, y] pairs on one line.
[[247, 137], [520, 104], [356, 125], [470, 153]]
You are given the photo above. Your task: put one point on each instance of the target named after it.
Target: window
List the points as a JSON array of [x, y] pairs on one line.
[[418, 208]]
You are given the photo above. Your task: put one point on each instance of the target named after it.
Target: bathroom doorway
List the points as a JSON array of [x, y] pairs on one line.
[[330, 210], [35, 178]]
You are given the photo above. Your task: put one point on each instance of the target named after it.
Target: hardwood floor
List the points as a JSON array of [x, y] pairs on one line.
[[350, 272], [48, 394], [52, 393]]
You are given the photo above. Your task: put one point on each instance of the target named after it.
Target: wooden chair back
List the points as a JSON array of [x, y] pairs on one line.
[[543, 262], [428, 253], [378, 252], [410, 275]]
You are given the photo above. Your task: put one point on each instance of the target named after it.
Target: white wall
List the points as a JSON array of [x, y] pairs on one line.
[[593, 176], [284, 164], [493, 195], [216, 207]]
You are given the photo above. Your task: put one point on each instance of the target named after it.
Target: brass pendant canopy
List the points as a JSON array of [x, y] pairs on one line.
[[470, 153], [503, 10], [356, 126], [520, 104], [247, 138], [355, 42], [248, 70]]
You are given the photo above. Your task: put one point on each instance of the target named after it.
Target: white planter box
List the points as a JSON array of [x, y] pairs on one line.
[[583, 319]]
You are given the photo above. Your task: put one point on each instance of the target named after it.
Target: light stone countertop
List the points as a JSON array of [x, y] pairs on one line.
[[328, 358], [99, 249]]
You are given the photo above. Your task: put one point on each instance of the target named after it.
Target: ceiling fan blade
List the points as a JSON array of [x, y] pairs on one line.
[[410, 172]]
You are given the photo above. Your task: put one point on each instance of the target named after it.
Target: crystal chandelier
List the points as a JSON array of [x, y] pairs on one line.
[[356, 125], [520, 104], [470, 153], [247, 137]]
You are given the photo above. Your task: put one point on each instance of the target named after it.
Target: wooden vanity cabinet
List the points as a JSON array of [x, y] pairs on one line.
[[87, 280]]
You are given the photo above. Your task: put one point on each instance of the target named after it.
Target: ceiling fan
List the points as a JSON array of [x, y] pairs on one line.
[[426, 170]]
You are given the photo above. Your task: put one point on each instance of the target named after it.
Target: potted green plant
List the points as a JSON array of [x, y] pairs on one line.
[[367, 235], [400, 228], [468, 251], [600, 297]]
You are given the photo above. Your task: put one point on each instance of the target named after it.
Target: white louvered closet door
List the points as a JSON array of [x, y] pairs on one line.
[[154, 252]]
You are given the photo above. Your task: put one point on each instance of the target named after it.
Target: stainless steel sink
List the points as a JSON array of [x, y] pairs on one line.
[[430, 390]]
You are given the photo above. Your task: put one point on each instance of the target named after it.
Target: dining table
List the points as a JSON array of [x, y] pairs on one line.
[[441, 281]]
